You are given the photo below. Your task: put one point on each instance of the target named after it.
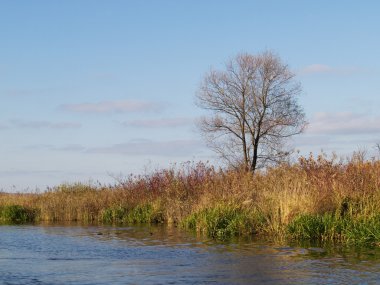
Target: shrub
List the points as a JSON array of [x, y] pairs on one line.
[[220, 222], [363, 231], [16, 214], [144, 213]]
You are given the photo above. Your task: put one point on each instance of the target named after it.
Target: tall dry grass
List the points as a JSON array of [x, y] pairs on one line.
[[222, 203]]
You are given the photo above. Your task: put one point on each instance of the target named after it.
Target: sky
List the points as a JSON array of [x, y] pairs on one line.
[[95, 90]]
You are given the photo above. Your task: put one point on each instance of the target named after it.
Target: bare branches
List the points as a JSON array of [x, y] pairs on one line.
[[254, 109]]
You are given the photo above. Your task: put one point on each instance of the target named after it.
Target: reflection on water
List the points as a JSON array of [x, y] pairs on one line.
[[52, 254]]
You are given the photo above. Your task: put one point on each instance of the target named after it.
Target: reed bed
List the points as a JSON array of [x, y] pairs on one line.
[[316, 198]]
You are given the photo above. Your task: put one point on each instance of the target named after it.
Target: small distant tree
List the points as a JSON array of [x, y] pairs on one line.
[[253, 110], [377, 148]]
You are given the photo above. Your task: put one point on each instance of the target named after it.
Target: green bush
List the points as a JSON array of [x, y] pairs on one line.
[[220, 222], [359, 231], [140, 214], [113, 215], [364, 231], [16, 214]]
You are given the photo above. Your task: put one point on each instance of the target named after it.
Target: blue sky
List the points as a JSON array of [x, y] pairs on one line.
[[95, 90]]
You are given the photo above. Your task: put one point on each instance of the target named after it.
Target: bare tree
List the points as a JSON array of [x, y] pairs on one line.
[[254, 109], [377, 148]]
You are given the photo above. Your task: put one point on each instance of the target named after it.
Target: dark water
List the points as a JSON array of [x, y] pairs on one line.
[[161, 255]]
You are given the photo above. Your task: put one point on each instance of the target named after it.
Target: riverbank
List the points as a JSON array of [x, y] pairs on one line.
[[314, 198]]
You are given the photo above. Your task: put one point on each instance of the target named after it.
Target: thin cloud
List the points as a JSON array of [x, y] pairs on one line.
[[159, 123], [312, 140], [326, 69], [50, 147], [104, 76], [27, 92], [343, 124], [71, 147], [51, 173], [7, 173], [22, 124], [135, 147], [39, 147], [317, 68], [329, 143], [123, 106], [148, 147]]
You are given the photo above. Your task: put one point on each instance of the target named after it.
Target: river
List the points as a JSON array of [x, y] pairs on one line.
[[74, 254]]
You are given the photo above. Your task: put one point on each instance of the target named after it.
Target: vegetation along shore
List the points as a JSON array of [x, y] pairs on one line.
[[318, 199]]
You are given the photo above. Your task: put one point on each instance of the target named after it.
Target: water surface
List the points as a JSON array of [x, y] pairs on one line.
[[53, 254]]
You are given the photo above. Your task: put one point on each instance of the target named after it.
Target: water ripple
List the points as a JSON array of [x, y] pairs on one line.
[[161, 255]]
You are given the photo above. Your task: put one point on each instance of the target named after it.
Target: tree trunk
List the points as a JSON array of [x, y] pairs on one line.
[[254, 158]]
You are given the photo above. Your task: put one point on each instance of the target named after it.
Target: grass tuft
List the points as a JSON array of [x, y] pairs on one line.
[[16, 214], [140, 214], [221, 222], [335, 228]]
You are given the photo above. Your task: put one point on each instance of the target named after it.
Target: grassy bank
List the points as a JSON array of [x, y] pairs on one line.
[[315, 198]]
